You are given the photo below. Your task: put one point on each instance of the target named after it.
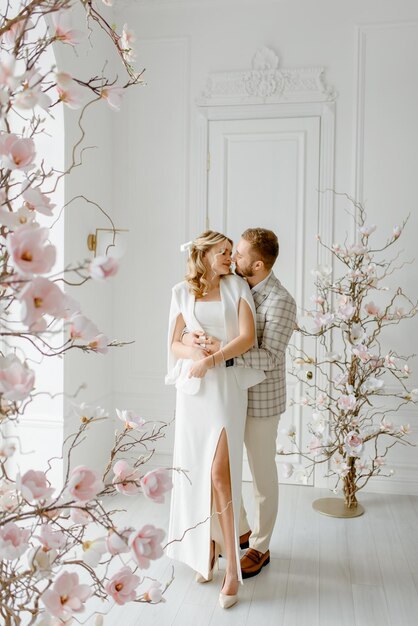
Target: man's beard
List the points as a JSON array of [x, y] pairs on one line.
[[244, 272]]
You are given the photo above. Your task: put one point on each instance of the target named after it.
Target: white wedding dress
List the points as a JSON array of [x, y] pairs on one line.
[[220, 403]]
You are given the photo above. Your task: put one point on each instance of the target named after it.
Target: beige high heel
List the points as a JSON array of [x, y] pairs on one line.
[[225, 600], [201, 579]]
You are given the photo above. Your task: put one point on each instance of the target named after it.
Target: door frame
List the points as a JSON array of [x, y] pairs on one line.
[[204, 113]]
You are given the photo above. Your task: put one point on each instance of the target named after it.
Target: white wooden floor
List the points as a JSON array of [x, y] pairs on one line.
[[323, 572]]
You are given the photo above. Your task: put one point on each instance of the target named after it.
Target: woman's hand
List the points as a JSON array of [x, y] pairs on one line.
[[197, 354], [199, 340], [199, 369]]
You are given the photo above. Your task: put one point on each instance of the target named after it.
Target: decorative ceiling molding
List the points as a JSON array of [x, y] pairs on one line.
[[266, 83]]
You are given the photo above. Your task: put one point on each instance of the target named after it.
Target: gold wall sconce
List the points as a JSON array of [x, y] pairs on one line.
[[108, 241]]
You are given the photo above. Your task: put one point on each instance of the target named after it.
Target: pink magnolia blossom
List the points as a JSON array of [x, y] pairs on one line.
[[39, 297], [323, 319], [386, 427], [321, 400], [113, 96], [29, 251], [32, 94], [301, 477], [346, 310], [51, 539], [405, 429], [371, 385], [8, 496], [390, 361], [35, 200], [154, 593], [371, 269], [342, 469], [316, 446], [130, 419], [16, 379], [397, 230], [80, 516], [337, 248], [322, 273], [7, 449], [69, 91], [84, 483], [146, 545], [126, 478], [357, 333], [414, 395], [126, 41], [66, 597], [367, 230], [16, 153], [13, 541], [53, 513], [7, 73], [355, 275], [379, 461], [88, 412], [14, 219], [372, 309], [93, 551], [290, 431], [156, 483], [361, 352], [121, 587], [317, 299], [63, 28], [357, 249], [103, 267], [41, 562], [340, 379], [406, 370], [117, 544], [99, 344], [353, 443], [82, 328], [346, 402], [34, 485], [17, 30]]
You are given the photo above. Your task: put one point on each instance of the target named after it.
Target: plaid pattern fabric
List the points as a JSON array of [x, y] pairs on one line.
[[276, 320]]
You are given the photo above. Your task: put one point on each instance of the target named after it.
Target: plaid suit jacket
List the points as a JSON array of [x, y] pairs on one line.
[[276, 320]]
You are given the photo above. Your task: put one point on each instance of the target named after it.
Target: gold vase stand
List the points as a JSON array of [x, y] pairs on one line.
[[335, 507]]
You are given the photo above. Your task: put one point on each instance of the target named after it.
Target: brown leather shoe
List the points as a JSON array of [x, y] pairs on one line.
[[253, 561], [244, 540]]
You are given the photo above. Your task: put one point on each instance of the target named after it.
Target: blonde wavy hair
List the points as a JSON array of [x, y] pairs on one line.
[[196, 276]]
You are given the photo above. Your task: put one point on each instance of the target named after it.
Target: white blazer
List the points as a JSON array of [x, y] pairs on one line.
[[232, 289]]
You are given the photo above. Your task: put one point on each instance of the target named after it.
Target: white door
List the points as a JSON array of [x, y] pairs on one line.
[[265, 172]]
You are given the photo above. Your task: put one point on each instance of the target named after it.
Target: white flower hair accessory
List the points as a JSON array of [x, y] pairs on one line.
[[186, 246]]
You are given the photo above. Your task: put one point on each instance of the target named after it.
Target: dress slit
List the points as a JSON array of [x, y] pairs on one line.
[[215, 527]]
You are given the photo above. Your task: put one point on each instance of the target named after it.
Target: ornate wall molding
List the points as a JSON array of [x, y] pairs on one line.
[[266, 83]]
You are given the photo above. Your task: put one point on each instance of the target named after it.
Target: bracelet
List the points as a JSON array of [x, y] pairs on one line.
[[222, 352], [183, 332], [213, 359]]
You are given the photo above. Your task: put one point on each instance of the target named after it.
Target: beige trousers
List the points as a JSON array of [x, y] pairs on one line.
[[260, 442]]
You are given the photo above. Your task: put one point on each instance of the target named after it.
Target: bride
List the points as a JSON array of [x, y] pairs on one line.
[[211, 407]]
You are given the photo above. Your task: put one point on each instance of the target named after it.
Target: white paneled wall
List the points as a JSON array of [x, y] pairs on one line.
[[370, 53]]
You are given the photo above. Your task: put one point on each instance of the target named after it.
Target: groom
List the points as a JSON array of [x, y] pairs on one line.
[[255, 255]]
